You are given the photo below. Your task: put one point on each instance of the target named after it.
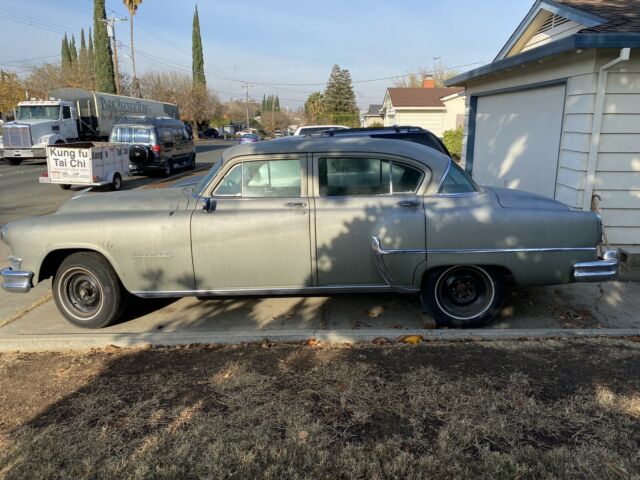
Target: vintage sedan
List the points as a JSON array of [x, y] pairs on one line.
[[305, 215]]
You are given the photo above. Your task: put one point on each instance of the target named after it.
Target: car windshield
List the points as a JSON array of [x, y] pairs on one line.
[[200, 186], [38, 112]]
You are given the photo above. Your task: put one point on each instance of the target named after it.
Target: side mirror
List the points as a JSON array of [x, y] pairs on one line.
[[209, 204]]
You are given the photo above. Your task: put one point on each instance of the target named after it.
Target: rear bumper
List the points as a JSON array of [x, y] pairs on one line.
[[601, 270], [16, 281]]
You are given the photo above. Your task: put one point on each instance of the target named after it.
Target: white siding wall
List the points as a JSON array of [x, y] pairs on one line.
[[455, 107], [432, 120], [618, 162]]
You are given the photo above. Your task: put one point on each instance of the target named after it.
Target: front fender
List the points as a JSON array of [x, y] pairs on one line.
[[49, 140]]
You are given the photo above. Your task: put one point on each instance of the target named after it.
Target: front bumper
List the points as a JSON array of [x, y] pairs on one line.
[[601, 270], [16, 281], [24, 152]]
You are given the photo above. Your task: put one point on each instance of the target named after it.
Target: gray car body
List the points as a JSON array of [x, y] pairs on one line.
[[161, 242]]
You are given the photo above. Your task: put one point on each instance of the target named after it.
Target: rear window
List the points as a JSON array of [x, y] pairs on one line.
[[131, 135], [458, 181]]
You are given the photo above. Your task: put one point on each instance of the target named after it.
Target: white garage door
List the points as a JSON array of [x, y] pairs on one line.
[[517, 139]]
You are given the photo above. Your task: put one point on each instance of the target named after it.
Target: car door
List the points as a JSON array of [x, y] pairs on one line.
[[357, 198], [258, 236]]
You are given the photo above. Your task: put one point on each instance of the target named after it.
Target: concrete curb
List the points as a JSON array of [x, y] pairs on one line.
[[85, 341]]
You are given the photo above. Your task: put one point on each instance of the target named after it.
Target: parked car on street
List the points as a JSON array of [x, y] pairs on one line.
[[249, 138], [309, 215], [408, 133], [156, 144], [208, 133], [316, 129]]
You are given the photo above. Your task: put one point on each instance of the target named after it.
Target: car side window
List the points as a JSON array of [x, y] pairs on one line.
[[366, 176], [404, 179], [271, 178], [231, 185], [457, 181], [177, 135], [353, 176], [185, 135]]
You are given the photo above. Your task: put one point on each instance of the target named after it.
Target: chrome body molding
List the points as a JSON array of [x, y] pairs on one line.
[[509, 250], [230, 292], [378, 253], [16, 281], [601, 270]]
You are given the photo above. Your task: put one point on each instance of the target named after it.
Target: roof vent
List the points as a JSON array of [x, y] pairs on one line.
[[552, 21]]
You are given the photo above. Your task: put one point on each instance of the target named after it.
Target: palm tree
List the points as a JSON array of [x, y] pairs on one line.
[[132, 6]]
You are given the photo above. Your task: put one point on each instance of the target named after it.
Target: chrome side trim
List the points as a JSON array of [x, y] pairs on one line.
[[16, 281], [378, 253], [230, 292], [444, 176], [600, 270], [509, 250]]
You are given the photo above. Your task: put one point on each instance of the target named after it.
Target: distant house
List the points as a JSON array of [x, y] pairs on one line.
[[372, 116], [436, 109], [558, 110]]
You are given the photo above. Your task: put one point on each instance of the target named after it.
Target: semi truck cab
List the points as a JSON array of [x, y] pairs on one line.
[[39, 124]]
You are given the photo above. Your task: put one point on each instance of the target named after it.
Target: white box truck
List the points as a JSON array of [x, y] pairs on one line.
[[87, 164], [71, 115]]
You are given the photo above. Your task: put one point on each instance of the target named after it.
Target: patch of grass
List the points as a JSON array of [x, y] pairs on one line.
[[553, 409]]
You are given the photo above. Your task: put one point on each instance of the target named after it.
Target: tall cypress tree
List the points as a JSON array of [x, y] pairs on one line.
[[196, 52], [84, 68], [276, 104], [73, 51], [103, 56], [65, 56], [91, 61]]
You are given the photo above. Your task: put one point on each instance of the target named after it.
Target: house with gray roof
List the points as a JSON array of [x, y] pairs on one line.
[[557, 112]]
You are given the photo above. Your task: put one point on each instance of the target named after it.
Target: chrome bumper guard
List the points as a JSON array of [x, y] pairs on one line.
[[16, 281], [601, 270]]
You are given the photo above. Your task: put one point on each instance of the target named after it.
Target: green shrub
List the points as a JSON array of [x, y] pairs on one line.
[[453, 141]]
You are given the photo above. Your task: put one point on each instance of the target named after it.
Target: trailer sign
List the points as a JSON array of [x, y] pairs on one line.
[[88, 163]]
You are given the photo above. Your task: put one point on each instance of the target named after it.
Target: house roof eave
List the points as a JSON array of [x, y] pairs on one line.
[[573, 42]]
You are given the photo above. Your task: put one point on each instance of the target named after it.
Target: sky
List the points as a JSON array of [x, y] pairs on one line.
[[284, 48]]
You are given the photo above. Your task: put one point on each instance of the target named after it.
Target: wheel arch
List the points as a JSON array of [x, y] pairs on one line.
[[500, 269], [54, 258]]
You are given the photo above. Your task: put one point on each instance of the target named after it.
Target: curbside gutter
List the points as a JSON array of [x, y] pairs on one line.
[[86, 341]]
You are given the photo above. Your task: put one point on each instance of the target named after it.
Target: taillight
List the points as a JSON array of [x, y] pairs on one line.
[[156, 149]]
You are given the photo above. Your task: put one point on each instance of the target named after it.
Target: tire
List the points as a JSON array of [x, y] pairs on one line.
[[139, 154], [65, 186], [463, 296], [192, 162], [117, 182], [167, 170], [14, 161], [87, 291]]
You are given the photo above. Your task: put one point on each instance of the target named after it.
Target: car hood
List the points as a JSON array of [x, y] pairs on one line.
[[157, 199], [510, 198]]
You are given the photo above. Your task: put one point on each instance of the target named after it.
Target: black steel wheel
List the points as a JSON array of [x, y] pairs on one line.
[[167, 170], [117, 182], [463, 296], [87, 291]]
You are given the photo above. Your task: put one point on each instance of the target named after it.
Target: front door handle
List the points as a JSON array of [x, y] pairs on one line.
[[409, 203], [295, 204]]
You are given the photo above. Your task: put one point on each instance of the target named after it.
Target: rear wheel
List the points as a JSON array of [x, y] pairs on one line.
[[65, 186], [192, 162], [117, 182], [87, 290], [168, 169], [463, 296]]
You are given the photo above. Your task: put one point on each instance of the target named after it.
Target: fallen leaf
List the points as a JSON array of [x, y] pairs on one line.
[[342, 386], [380, 341], [312, 342], [375, 311], [410, 339], [430, 324], [303, 435], [265, 343]]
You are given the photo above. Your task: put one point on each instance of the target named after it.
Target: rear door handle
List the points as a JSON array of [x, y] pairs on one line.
[[295, 204], [409, 203]]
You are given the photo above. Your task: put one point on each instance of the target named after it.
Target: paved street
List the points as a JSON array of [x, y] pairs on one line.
[[22, 196]]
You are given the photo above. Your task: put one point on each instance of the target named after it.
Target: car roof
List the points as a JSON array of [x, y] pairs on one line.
[[148, 121], [435, 160]]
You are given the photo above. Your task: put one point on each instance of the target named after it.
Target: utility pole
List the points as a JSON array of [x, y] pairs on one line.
[[111, 32], [246, 92]]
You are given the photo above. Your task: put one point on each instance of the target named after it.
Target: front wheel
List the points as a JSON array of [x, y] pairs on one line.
[[463, 296], [87, 290], [192, 162], [117, 182]]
